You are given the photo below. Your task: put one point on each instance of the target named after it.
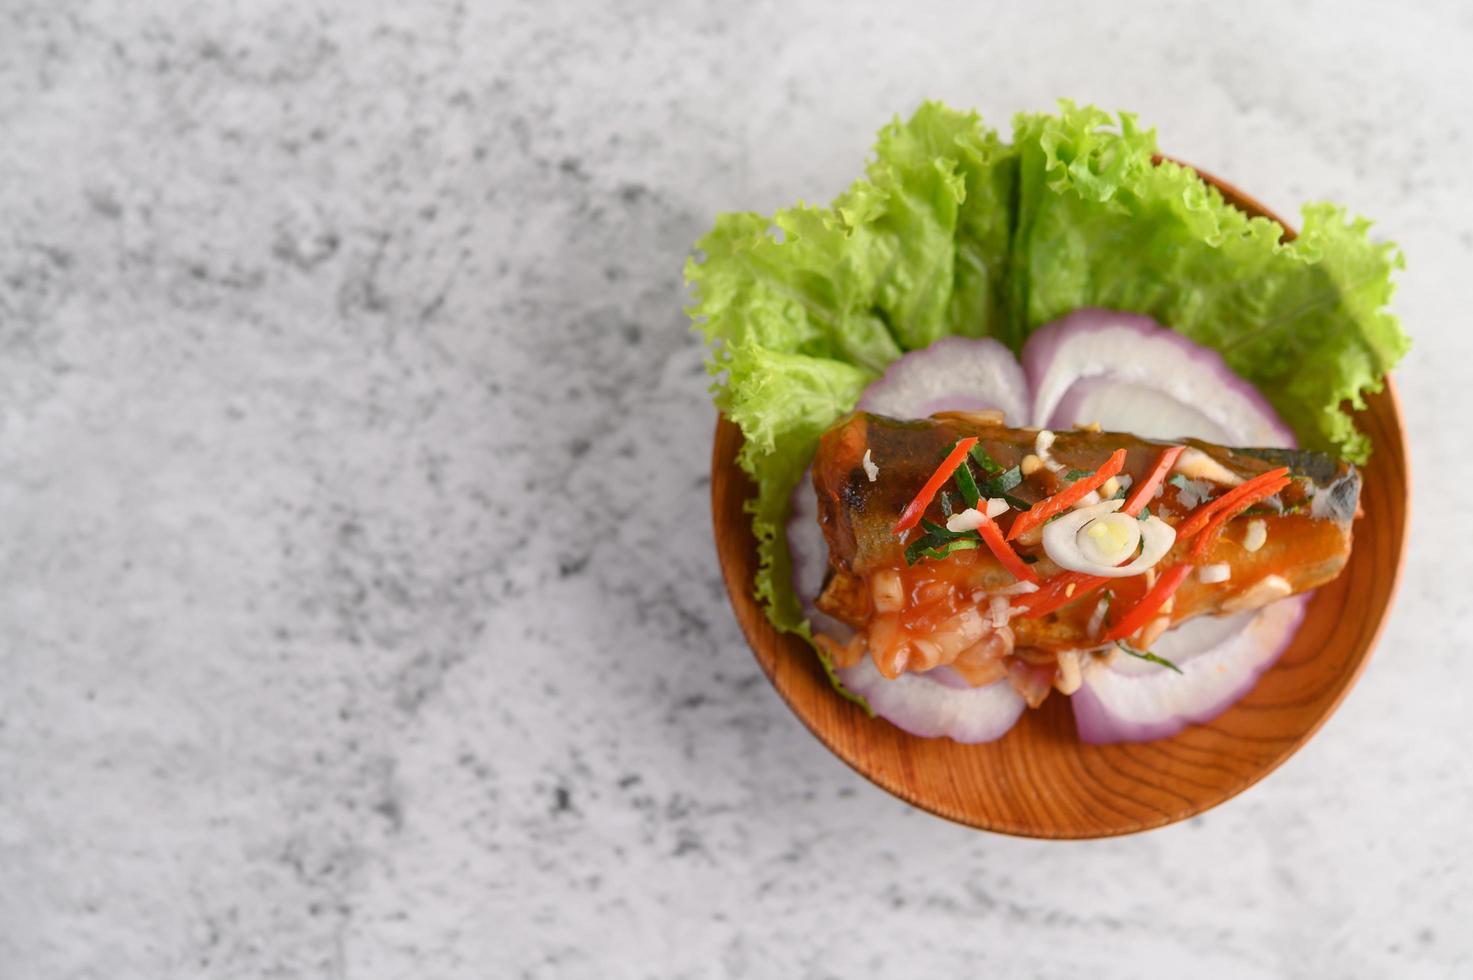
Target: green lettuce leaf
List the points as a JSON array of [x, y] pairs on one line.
[[804, 309], [954, 231], [783, 402], [1099, 224]]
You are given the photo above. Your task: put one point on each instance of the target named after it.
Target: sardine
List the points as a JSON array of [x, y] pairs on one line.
[[1304, 539]]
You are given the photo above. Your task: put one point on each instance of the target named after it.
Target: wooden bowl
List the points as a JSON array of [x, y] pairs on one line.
[[1039, 780]]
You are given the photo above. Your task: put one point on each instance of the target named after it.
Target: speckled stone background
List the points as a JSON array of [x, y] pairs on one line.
[[359, 613]]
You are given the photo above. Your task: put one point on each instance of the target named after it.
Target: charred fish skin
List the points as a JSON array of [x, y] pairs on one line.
[[1308, 524], [857, 514], [1337, 484]]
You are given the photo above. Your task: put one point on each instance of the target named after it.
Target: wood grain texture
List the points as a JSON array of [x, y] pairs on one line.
[[1039, 780]]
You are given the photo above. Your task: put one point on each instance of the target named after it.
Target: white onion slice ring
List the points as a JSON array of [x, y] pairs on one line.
[[958, 374], [933, 707], [1060, 541], [1132, 701], [1131, 374], [1130, 407]]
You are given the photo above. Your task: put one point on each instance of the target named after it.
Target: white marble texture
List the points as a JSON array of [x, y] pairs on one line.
[[359, 613]]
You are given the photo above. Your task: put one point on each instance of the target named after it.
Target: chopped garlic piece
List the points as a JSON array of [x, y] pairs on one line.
[[1069, 677], [888, 591], [996, 507], [1097, 618], [998, 606], [1255, 534], [870, 469], [1212, 574], [1031, 464], [1151, 632], [1041, 444], [1194, 464], [968, 520]]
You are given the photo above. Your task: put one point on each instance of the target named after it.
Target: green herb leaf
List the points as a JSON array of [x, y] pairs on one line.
[[1018, 503], [1074, 475], [945, 503], [917, 548], [1146, 655], [931, 546], [1178, 480], [989, 465], [1259, 510], [1145, 514], [967, 485], [999, 485], [944, 533], [951, 547]]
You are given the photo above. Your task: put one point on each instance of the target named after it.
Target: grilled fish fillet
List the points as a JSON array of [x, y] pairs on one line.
[[1304, 539]]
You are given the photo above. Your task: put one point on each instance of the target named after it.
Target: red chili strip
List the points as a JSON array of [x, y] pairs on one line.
[[1141, 494], [1198, 518], [1140, 613], [1068, 497], [1214, 527], [1055, 593], [911, 516], [1003, 552]]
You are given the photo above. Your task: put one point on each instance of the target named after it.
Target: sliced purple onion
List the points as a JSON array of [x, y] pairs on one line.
[[1123, 406], [1130, 701], [1131, 374], [1186, 642], [953, 374], [933, 707]]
